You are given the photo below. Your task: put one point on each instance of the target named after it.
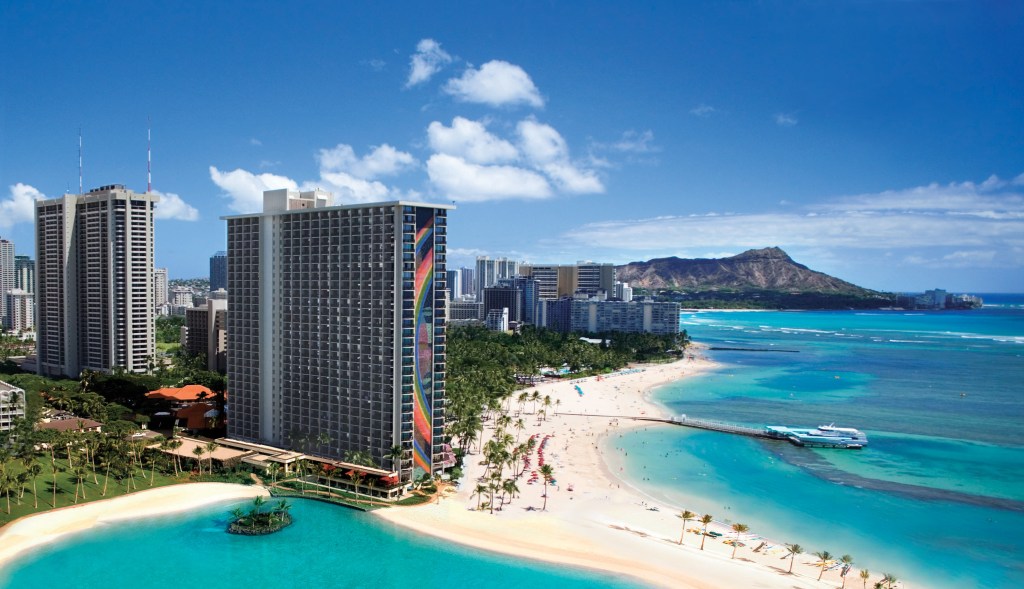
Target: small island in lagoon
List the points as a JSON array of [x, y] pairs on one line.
[[257, 522]]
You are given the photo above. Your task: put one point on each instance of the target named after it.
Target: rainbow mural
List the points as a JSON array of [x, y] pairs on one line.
[[423, 391]]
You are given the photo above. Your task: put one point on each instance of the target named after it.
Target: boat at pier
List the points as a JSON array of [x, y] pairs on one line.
[[823, 436]]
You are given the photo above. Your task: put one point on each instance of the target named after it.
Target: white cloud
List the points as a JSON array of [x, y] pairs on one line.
[[349, 189], [496, 83], [466, 181], [955, 234], [427, 61], [171, 206], [376, 64], [546, 149], [20, 206], [471, 141], [703, 110], [384, 160], [633, 142], [254, 141], [785, 120], [245, 189]]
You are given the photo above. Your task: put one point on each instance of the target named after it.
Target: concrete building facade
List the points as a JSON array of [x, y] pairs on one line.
[[94, 281], [594, 316], [336, 331], [489, 272], [160, 287], [206, 333], [12, 405], [21, 310]]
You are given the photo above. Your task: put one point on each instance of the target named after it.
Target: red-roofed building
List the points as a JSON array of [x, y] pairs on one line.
[[186, 394]]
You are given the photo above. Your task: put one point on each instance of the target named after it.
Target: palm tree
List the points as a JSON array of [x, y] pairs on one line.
[[847, 561], [793, 549], [396, 454], [547, 405], [864, 576], [510, 487], [739, 529], [198, 452], [535, 398], [211, 447], [520, 425], [823, 557], [523, 399], [705, 519], [687, 515], [34, 470], [237, 514], [479, 492], [80, 473], [273, 470], [889, 579], [548, 472]]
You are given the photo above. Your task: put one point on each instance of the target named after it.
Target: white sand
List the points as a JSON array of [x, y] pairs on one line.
[[27, 532], [603, 523]]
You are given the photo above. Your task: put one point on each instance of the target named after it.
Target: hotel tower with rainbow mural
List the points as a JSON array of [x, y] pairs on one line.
[[336, 329]]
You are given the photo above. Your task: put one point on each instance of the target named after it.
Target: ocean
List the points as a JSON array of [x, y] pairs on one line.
[[936, 498], [327, 546]]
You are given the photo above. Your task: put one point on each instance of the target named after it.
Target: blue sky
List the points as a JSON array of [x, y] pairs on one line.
[[881, 142]]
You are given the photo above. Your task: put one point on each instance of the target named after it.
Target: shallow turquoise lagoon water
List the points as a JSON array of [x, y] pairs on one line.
[[938, 495], [327, 546]]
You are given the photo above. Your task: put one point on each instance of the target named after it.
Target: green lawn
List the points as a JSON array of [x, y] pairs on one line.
[[168, 348], [66, 488]]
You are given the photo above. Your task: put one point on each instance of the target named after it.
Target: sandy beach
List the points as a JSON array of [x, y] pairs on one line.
[[602, 523], [28, 532]]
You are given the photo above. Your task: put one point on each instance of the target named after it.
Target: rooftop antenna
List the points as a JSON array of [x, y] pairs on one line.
[[149, 155], [80, 160]]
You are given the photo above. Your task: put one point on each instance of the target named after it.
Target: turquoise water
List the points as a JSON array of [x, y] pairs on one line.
[[937, 498], [327, 546]]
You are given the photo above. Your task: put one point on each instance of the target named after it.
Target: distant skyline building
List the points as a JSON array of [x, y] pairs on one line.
[[567, 280], [468, 281], [219, 270], [336, 328], [6, 272], [489, 271], [94, 274], [160, 288], [497, 319], [12, 405], [20, 310], [182, 296], [465, 311], [454, 284], [593, 316], [206, 333], [25, 274], [623, 292]]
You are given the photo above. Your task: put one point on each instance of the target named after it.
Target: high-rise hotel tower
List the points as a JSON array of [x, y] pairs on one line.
[[336, 329], [94, 281]]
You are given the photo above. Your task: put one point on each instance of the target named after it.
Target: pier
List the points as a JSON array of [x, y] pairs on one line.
[[706, 424]]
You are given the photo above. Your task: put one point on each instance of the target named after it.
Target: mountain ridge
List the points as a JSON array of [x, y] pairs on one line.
[[765, 269]]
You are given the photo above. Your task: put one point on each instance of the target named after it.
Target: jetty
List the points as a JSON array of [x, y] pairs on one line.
[[824, 436], [706, 424]]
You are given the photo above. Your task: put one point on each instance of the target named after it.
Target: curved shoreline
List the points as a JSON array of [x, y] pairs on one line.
[[604, 524], [27, 532]]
